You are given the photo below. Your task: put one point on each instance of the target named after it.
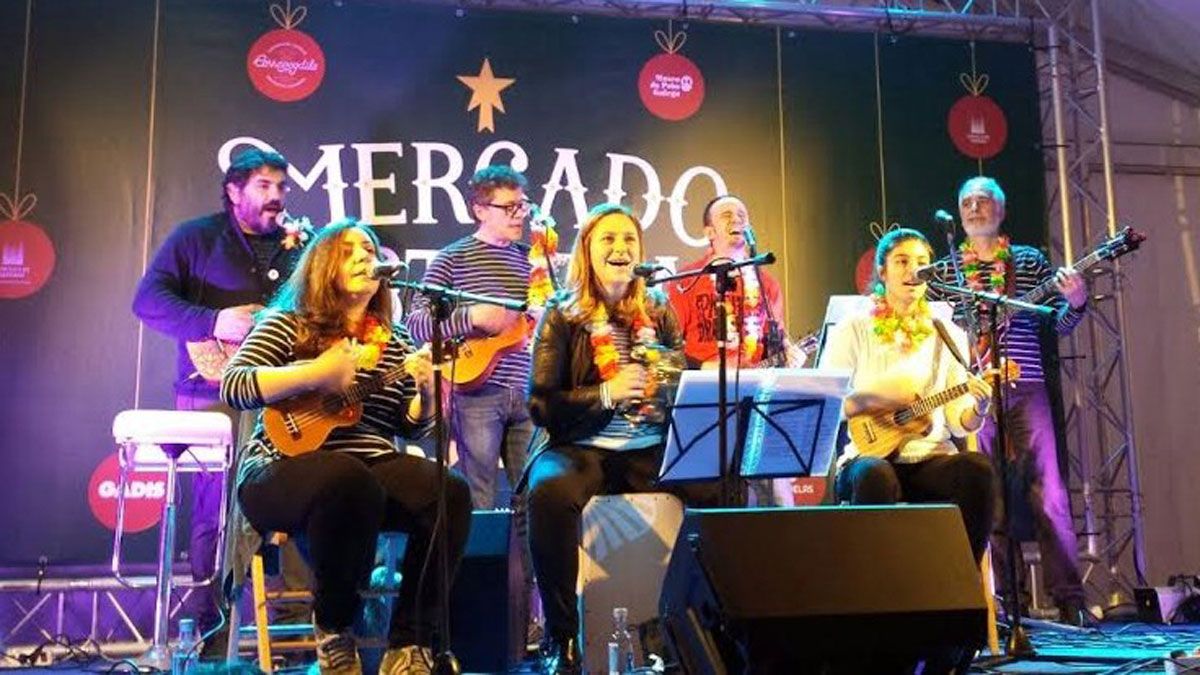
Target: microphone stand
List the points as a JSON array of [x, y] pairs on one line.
[[721, 270], [1018, 644], [947, 223], [441, 301]]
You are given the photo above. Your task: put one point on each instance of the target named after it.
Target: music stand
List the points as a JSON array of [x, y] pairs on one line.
[[784, 420]]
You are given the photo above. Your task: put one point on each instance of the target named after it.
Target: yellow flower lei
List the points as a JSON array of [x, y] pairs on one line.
[[906, 332]]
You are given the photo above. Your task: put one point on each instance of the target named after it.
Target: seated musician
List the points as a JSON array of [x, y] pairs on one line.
[[754, 303], [582, 377], [331, 327], [895, 355]]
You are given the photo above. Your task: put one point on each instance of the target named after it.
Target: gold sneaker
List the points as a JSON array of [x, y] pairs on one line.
[[337, 653], [410, 660]]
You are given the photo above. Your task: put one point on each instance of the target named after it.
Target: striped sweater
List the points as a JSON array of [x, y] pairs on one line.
[[474, 266], [384, 412], [1022, 340]]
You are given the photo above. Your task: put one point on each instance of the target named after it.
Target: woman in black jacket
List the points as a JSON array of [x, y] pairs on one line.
[[582, 377]]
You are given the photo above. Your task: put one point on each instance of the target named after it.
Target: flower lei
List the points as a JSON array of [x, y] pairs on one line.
[[973, 267], [752, 327], [543, 247], [296, 231], [906, 332], [604, 351], [373, 338]]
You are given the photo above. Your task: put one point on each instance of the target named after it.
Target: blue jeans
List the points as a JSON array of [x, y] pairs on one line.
[[491, 424]]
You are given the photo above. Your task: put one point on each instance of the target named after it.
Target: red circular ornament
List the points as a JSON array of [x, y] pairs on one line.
[[144, 495], [977, 126], [286, 65], [671, 87], [26, 259], [864, 271]]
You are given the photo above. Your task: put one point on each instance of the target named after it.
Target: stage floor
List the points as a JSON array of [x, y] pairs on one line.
[[1111, 648]]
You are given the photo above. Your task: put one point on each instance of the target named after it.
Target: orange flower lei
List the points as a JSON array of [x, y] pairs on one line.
[[543, 247], [373, 339], [604, 351]]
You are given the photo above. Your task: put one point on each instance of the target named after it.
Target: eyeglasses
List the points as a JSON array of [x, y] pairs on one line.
[[517, 208]]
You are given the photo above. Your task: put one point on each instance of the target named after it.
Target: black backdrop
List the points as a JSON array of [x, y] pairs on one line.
[[128, 105]]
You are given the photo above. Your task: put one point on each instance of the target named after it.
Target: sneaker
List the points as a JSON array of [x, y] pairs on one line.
[[561, 657], [410, 660], [337, 653]]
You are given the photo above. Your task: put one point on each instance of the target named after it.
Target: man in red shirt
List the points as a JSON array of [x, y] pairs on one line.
[[755, 302]]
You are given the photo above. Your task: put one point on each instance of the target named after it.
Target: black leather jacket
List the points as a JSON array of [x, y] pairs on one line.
[[564, 388]]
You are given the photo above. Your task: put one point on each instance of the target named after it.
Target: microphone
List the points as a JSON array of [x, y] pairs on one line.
[[388, 270], [647, 270], [751, 240], [539, 217], [942, 217], [926, 272]]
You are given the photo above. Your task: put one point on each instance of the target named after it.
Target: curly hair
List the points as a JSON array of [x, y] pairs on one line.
[[312, 295]]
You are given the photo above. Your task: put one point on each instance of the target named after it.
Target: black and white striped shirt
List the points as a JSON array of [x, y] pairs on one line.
[[1022, 340], [384, 417], [475, 266]]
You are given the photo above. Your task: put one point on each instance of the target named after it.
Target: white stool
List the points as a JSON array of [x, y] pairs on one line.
[[626, 545], [173, 441]]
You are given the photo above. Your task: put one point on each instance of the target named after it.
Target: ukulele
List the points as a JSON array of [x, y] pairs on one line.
[[880, 433]]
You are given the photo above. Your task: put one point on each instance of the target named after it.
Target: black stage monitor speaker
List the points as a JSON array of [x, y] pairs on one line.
[[762, 590], [489, 600]]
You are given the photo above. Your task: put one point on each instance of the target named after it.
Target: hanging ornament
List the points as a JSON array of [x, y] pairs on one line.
[[26, 252], [286, 64], [864, 271], [670, 84], [976, 125]]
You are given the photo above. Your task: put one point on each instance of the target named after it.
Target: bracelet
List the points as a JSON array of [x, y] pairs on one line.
[[605, 397], [419, 421]]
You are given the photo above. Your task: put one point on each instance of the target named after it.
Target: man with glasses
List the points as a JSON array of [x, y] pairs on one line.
[[202, 288], [991, 263], [490, 421]]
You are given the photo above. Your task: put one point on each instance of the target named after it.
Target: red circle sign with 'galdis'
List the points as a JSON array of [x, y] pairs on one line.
[[671, 87], [977, 126], [144, 495], [286, 65], [26, 259]]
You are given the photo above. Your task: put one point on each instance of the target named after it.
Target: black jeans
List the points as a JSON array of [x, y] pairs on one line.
[[561, 481], [340, 503], [963, 479]]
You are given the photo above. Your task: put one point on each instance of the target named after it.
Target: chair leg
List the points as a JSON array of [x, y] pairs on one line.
[[235, 629], [262, 624]]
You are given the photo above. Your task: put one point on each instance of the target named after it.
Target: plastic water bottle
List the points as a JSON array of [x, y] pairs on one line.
[[620, 644], [186, 651]]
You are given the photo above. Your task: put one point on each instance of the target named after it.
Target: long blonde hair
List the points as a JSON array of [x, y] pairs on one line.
[[585, 293]]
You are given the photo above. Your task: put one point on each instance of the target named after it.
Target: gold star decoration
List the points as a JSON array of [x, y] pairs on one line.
[[485, 94]]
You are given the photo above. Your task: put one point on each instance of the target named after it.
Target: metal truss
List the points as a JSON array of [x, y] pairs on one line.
[[1006, 20], [1102, 471], [44, 621]]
